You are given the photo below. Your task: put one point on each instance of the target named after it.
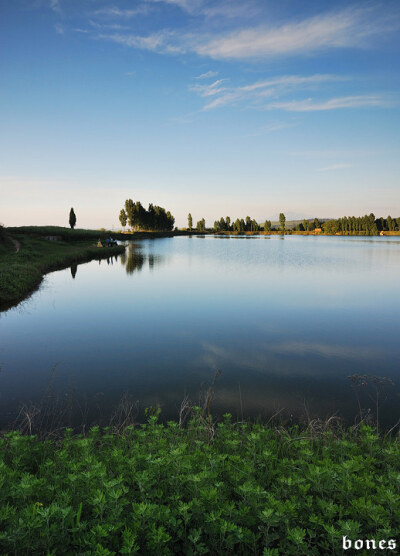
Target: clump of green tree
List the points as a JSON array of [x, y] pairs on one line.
[[366, 225], [388, 224], [308, 225], [201, 225], [267, 226], [239, 225], [138, 218]]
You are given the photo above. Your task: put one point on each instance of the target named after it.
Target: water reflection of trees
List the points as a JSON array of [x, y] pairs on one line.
[[134, 259], [109, 260]]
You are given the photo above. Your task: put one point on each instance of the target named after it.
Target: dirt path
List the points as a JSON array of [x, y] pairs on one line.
[[17, 244]]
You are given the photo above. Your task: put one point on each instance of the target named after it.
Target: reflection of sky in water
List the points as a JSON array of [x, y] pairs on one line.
[[286, 320]]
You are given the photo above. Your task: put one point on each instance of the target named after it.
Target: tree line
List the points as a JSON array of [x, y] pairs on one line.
[[347, 225], [138, 218], [362, 225], [239, 225], [247, 224]]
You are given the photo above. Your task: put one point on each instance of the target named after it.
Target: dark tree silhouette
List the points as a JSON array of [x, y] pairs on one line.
[[72, 218], [155, 218]]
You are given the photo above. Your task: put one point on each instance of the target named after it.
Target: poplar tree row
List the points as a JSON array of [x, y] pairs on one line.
[[362, 225], [239, 225], [138, 218], [348, 225]]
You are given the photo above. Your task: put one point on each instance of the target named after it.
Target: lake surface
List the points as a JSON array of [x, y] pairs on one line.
[[286, 320]]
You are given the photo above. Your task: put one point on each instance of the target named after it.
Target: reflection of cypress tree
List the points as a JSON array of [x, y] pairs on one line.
[[74, 268], [151, 262]]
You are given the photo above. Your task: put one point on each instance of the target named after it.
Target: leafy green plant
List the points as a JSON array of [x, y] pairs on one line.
[[168, 489]]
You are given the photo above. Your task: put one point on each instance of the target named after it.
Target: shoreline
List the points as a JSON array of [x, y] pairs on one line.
[[22, 271]]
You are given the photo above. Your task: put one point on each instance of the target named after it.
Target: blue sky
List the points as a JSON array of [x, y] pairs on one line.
[[212, 107]]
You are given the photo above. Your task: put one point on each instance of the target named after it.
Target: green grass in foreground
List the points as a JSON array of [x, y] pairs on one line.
[[22, 272], [160, 489]]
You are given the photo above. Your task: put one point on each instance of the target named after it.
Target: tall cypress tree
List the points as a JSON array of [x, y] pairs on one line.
[[72, 218], [282, 222]]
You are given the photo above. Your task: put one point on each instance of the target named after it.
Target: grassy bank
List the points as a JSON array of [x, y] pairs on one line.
[[230, 489], [67, 234], [21, 272]]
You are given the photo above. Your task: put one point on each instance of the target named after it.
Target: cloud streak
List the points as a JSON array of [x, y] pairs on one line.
[[259, 91], [309, 105], [117, 13], [207, 75], [347, 28], [55, 6], [189, 6], [160, 41], [342, 29]]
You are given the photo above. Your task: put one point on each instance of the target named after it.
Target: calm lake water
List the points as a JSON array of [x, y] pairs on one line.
[[286, 320]]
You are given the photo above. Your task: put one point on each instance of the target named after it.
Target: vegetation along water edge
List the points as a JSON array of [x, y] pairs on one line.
[[25, 256]]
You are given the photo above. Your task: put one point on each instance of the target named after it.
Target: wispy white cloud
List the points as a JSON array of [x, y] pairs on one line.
[[260, 90], [158, 42], [207, 75], [114, 26], [186, 5], [55, 6], [121, 13], [309, 105], [59, 29], [231, 10], [227, 9], [347, 28], [338, 29], [339, 166], [211, 89]]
